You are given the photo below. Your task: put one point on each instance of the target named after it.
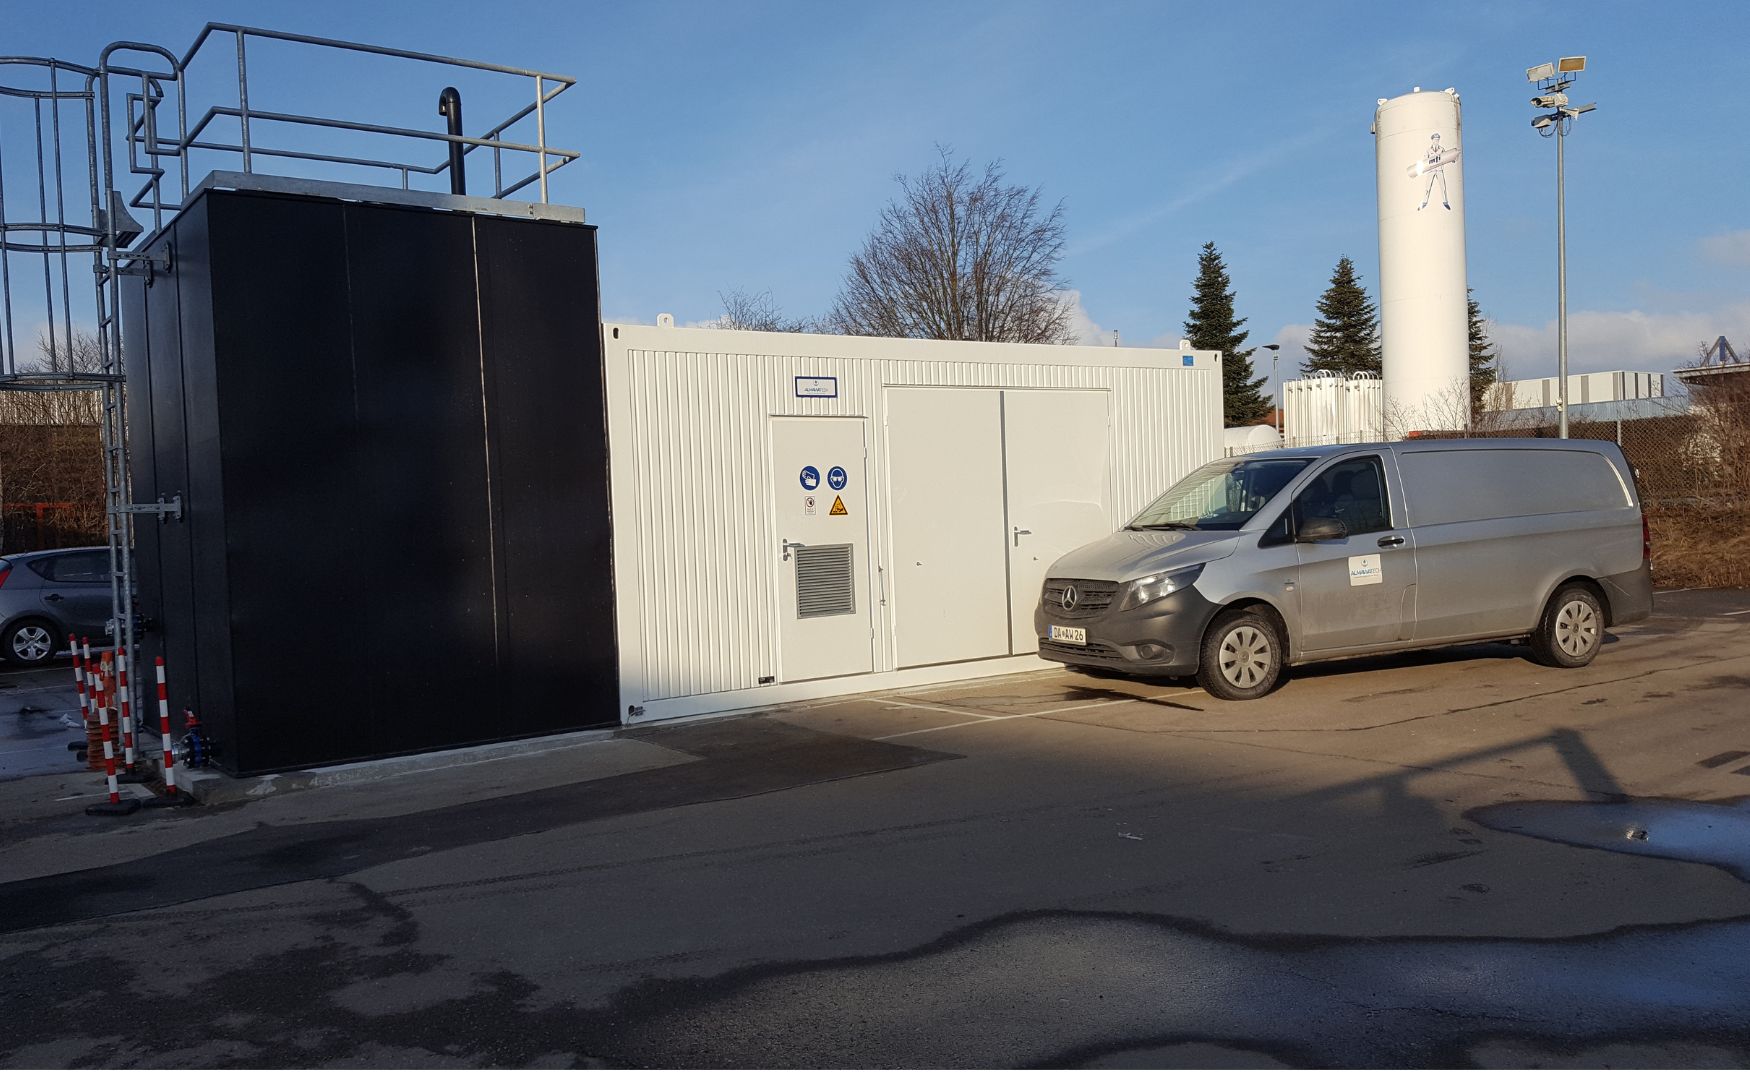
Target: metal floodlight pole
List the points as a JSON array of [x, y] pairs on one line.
[[1553, 81], [1561, 284]]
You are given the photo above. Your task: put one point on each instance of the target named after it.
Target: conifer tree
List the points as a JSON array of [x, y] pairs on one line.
[[1345, 337], [1212, 325], [1484, 356]]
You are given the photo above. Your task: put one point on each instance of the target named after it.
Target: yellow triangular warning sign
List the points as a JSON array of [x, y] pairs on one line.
[[838, 507]]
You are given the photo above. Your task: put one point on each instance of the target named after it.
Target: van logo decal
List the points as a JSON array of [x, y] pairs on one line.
[[1070, 598]]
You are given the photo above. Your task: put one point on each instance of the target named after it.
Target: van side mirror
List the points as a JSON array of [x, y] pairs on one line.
[[1316, 529]]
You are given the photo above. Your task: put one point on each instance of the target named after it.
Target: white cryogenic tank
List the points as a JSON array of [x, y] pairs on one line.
[[1424, 333]]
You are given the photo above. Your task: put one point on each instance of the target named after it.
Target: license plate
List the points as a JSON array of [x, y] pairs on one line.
[[1071, 635]]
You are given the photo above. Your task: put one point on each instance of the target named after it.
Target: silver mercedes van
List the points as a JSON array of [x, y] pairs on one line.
[[1255, 563]]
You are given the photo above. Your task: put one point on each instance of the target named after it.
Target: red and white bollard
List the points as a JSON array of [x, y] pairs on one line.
[[171, 796], [129, 771], [79, 679], [83, 746], [115, 804]]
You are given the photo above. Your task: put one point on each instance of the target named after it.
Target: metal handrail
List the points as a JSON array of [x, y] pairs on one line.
[[547, 86]]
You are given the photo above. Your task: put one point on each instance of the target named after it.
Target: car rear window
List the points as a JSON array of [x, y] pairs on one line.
[[1445, 486]]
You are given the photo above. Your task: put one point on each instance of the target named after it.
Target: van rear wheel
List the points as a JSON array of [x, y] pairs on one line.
[[1572, 629], [1241, 657]]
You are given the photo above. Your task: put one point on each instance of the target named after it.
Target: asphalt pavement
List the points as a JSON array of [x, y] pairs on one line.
[[1449, 858], [39, 716]]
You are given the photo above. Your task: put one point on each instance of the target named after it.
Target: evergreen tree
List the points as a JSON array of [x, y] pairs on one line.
[[1484, 356], [1212, 325], [1345, 337]]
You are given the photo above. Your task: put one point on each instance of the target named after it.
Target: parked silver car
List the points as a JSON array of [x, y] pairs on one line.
[[1254, 563], [45, 596]]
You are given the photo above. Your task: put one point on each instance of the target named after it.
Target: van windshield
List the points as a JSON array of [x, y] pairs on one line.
[[1222, 495]]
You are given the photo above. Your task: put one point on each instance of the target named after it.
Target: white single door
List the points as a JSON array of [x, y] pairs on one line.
[[821, 513], [949, 585], [1055, 457]]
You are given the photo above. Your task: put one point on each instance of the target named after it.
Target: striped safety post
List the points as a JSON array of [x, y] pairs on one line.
[[83, 746], [127, 715], [171, 796], [115, 804], [94, 674], [79, 679]]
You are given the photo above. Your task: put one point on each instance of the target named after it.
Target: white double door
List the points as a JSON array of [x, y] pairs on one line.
[[987, 489]]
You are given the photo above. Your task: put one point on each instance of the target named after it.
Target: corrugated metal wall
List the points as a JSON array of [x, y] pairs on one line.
[[695, 553]]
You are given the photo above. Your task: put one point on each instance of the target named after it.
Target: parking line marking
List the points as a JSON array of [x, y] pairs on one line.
[[1026, 715], [1746, 611], [934, 708]]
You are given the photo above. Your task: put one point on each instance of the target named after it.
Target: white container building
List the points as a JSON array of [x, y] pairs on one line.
[[803, 515], [1325, 408]]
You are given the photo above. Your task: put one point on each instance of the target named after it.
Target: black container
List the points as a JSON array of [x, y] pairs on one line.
[[386, 423]]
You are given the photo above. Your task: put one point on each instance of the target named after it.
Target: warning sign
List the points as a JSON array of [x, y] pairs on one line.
[[808, 505], [838, 507]]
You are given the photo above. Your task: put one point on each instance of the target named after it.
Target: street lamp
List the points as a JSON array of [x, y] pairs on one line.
[[1275, 349], [1552, 82]]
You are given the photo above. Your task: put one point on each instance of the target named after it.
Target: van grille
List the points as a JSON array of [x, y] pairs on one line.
[[1091, 597], [1064, 652], [824, 581]]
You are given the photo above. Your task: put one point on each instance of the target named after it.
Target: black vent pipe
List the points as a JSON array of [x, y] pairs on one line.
[[450, 107]]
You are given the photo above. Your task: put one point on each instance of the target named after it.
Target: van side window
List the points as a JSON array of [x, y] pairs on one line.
[[1351, 491]]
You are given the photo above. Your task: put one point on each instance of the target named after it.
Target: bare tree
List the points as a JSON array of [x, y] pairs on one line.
[[51, 465], [959, 256], [758, 311]]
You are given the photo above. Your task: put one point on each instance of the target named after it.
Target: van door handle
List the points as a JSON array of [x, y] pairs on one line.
[[1391, 541], [53, 598]]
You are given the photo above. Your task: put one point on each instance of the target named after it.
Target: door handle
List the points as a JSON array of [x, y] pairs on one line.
[[1020, 532], [1391, 541], [791, 545], [53, 598]]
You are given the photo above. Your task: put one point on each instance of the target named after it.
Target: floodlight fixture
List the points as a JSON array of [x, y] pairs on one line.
[[1571, 64], [1540, 73], [1541, 122]]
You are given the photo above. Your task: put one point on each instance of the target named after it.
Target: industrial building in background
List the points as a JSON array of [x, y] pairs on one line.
[[1424, 330]]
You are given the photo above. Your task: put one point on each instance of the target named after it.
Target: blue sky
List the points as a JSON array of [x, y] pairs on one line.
[[749, 145]]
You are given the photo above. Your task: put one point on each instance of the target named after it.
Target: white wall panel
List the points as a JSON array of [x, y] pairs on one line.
[[695, 556]]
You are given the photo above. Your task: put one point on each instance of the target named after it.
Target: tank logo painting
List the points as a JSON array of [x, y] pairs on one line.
[[1365, 570], [1432, 164]]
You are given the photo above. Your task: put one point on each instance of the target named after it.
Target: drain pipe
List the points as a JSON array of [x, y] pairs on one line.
[[450, 107]]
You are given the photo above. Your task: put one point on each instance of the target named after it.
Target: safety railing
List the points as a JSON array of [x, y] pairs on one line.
[[250, 117]]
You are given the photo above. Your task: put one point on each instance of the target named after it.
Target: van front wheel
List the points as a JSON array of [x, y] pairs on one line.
[[1242, 656], [1572, 629]]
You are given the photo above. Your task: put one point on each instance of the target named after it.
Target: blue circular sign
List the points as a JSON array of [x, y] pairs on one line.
[[837, 478], [810, 478]]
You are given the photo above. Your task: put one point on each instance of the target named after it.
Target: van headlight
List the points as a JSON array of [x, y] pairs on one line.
[[1149, 589]]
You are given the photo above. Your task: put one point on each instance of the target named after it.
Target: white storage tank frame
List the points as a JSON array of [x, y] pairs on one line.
[[703, 495]]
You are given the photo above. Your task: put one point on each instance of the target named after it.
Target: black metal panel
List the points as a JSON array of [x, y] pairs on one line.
[[288, 431], [397, 536], [202, 531], [425, 558], [539, 311]]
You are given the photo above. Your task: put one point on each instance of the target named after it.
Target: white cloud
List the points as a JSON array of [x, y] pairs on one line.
[[1082, 325], [1727, 248], [1608, 340]]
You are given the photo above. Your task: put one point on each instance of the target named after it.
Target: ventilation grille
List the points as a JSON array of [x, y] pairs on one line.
[[824, 585]]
